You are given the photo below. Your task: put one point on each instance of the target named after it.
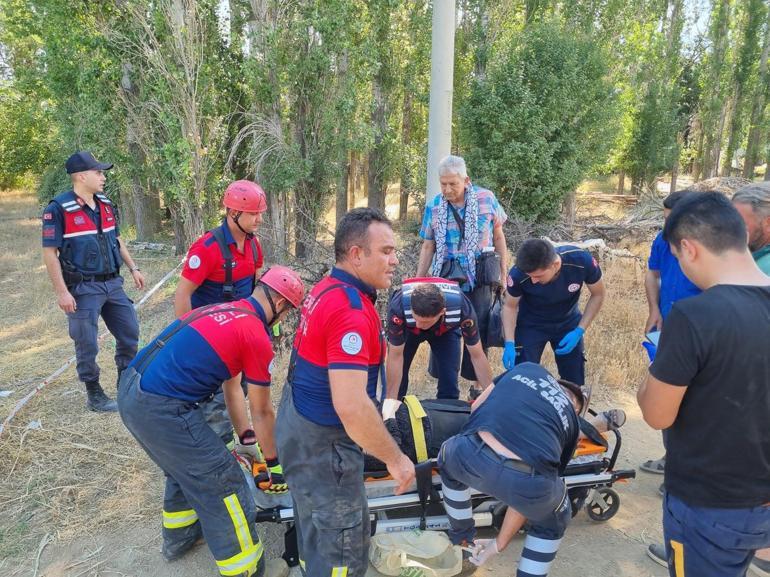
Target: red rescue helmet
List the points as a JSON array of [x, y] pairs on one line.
[[245, 196], [285, 282]]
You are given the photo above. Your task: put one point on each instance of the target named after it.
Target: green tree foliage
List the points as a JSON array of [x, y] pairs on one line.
[[541, 118]]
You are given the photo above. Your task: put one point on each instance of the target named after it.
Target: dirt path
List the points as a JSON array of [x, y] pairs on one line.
[[615, 548]]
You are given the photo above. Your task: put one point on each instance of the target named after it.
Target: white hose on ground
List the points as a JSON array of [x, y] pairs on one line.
[[57, 373]]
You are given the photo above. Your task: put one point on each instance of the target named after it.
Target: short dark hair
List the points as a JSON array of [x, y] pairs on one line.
[[708, 217], [535, 254], [353, 228], [673, 199], [427, 300]]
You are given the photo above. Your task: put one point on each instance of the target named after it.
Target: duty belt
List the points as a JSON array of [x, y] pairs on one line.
[[99, 277]]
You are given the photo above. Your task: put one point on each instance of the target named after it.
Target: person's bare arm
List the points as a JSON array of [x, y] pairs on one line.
[[480, 365], [594, 303], [652, 290], [183, 296], [659, 402], [64, 298], [236, 404], [263, 418], [512, 522], [394, 370], [498, 239], [426, 256], [364, 425], [509, 312], [135, 272]]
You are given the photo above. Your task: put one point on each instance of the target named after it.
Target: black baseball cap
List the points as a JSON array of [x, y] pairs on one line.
[[84, 160]]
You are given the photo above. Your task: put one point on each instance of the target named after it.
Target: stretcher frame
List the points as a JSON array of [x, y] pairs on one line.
[[415, 510]]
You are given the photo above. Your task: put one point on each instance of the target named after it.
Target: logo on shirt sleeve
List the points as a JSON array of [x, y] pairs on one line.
[[47, 216], [574, 287], [351, 343], [397, 320], [194, 262], [270, 367], [510, 281], [49, 231]]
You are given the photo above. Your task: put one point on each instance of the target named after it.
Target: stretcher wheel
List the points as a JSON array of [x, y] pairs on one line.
[[603, 504]]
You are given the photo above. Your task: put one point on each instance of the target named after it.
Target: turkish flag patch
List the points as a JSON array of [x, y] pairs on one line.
[[397, 320], [47, 216]]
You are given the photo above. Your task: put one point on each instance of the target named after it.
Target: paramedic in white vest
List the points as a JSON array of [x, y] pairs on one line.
[[462, 232], [83, 253], [437, 311]]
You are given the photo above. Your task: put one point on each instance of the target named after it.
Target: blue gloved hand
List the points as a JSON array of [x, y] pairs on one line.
[[570, 341], [651, 350], [509, 355]]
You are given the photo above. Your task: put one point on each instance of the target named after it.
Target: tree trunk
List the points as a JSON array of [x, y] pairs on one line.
[[306, 223], [405, 185], [145, 203], [188, 224], [698, 159], [341, 204], [757, 108], [622, 182], [674, 176], [378, 154]]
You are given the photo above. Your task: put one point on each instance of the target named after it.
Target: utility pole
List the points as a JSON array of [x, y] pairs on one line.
[[441, 91]]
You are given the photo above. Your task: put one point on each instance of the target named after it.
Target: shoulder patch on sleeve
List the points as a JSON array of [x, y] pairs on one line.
[[353, 297], [351, 343], [194, 262]]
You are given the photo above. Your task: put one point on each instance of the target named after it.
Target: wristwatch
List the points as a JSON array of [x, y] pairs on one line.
[[136, 268]]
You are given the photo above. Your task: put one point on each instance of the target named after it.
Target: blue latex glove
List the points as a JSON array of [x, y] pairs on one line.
[[651, 350], [509, 355], [570, 341]]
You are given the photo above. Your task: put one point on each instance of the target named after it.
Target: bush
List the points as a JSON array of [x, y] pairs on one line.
[[540, 120]]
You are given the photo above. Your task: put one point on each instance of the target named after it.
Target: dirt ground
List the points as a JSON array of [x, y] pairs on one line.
[[78, 498], [615, 548]]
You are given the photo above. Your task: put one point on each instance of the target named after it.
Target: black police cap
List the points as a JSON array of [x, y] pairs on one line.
[[82, 161]]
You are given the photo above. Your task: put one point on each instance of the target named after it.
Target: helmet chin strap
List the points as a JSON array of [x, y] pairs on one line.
[[275, 313], [238, 224]]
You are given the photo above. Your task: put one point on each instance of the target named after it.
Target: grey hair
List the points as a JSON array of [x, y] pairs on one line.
[[757, 196], [452, 165]]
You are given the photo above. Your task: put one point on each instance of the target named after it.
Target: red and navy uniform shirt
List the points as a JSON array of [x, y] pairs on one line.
[[554, 305], [213, 348], [205, 267], [72, 226], [464, 318], [53, 222], [340, 330]]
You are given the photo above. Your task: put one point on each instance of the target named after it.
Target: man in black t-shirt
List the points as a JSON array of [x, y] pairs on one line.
[[437, 311], [709, 385]]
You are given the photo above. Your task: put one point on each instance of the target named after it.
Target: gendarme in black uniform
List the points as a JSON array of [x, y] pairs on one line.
[[87, 241]]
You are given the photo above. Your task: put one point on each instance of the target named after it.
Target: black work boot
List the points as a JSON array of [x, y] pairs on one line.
[[174, 548], [117, 382], [97, 400]]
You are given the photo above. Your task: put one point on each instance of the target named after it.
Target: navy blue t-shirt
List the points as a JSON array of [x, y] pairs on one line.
[[554, 304], [529, 413]]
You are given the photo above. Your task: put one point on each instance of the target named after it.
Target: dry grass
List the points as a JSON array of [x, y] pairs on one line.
[[81, 473]]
